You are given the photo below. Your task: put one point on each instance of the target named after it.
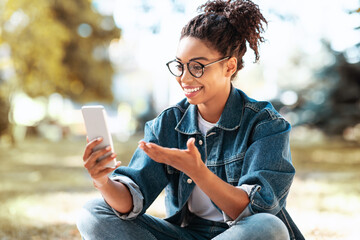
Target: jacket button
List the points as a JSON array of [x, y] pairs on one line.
[[200, 142], [189, 181]]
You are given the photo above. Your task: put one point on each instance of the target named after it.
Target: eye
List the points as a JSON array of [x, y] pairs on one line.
[[195, 66], [178, 66]]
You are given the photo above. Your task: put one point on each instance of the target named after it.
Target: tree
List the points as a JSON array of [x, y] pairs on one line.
[[339, 86], [331, 102], [57, 46]]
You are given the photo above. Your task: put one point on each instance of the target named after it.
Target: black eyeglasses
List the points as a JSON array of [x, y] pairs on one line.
[[195, 68]]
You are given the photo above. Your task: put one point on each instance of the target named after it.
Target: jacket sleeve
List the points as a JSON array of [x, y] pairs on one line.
[[146, 178], [267, 165]]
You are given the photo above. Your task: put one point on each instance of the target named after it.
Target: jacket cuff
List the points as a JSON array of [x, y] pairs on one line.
[[137, 197], [246, 212]]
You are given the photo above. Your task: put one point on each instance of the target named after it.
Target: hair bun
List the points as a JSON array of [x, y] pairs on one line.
[[216, 7], [243, 15]]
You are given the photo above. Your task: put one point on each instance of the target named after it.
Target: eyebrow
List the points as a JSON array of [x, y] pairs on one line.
[[193, 59]]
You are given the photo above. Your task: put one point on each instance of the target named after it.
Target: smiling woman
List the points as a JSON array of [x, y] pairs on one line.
[[223, 158], [204, 91]]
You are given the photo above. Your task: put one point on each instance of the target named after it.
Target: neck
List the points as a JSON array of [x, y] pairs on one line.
[[211, 111]]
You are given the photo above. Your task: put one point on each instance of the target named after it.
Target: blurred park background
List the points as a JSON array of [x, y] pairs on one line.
[[56, 56]]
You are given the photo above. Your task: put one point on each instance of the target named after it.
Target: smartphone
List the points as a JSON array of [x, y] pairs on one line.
[[95, 120]]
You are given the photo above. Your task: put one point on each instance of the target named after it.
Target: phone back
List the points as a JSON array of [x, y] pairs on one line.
[[95, 119]]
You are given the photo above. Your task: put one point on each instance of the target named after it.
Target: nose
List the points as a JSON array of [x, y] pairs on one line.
[[186, 76]]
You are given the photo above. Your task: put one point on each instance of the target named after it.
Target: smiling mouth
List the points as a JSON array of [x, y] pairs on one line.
[[192, 90]]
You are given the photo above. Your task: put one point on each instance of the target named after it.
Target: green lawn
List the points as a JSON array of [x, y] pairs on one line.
[[43, 185]]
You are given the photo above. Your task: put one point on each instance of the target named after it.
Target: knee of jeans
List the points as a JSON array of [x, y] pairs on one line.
[[93, 216], [270, 226]]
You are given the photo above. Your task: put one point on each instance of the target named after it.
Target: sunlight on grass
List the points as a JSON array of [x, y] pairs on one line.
[[46, 209], [326, 209], [43, 185]]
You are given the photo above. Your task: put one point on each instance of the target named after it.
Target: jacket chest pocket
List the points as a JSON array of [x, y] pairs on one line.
[[233, 168]]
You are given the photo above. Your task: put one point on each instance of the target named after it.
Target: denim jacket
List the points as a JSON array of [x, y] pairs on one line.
[[248, 145]]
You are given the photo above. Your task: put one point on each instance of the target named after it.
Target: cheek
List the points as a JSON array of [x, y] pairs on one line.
[[209, 82]]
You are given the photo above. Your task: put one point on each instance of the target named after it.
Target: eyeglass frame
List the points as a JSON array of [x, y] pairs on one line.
[[187, 64]]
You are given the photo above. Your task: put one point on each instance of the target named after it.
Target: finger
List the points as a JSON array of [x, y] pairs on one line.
[[90, 146], [191, 145], [161, 154], [100, 168], [101, 153], [118, 163], [102, 172], [107, 160], [145, 146], [87, 139], [141, 143], [94, 156], [147, 150], [155, 149], [150, 151]]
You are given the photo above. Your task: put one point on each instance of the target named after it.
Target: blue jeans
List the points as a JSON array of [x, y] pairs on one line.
[[98, 221]]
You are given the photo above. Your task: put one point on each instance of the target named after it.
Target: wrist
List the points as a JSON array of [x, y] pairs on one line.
[[201, 174], [101, 183]]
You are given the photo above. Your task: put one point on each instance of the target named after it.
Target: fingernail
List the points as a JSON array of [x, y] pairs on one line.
[[148, 145], [99, 138], [108, 148], [113, 155]]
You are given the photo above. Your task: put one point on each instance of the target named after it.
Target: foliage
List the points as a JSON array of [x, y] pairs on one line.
[[55, 46], [340, 86], [89, 70], [48, 53], [332, 102]]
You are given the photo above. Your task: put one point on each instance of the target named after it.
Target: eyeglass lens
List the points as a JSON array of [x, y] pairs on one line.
[[177, 68]]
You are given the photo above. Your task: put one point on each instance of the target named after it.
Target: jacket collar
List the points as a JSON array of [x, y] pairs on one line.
[[230, 118]]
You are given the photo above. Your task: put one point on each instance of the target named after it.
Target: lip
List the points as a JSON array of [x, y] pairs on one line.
[[191, 94]]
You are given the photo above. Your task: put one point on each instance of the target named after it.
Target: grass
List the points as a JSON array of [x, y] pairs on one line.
[[325, 197], [43, 185]]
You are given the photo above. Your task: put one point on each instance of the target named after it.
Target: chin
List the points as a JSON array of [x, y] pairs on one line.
[[192, 101]]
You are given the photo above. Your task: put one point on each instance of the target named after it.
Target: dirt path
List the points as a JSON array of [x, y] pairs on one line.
[[42, 186]]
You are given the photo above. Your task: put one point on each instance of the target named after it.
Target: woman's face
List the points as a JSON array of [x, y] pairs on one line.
[[214, 85]]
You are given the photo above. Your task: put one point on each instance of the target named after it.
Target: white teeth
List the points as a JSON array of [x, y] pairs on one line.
[[190, 90]]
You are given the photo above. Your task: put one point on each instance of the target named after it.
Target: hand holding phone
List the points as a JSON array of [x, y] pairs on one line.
[[95, 119]]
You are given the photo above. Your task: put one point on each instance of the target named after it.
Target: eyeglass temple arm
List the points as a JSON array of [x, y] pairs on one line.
[[216, 61]]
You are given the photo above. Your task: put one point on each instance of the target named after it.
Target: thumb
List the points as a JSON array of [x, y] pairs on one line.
[[191, 145]]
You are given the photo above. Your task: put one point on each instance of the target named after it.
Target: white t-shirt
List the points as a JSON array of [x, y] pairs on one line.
[[199, 203]]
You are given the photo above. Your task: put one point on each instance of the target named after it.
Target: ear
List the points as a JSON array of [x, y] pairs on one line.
[[231, 67]]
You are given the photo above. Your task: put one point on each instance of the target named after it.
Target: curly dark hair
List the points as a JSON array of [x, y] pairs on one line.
[[226, 26]]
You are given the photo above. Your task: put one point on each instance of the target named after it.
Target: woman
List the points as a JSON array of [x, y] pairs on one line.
[[223, 158]]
